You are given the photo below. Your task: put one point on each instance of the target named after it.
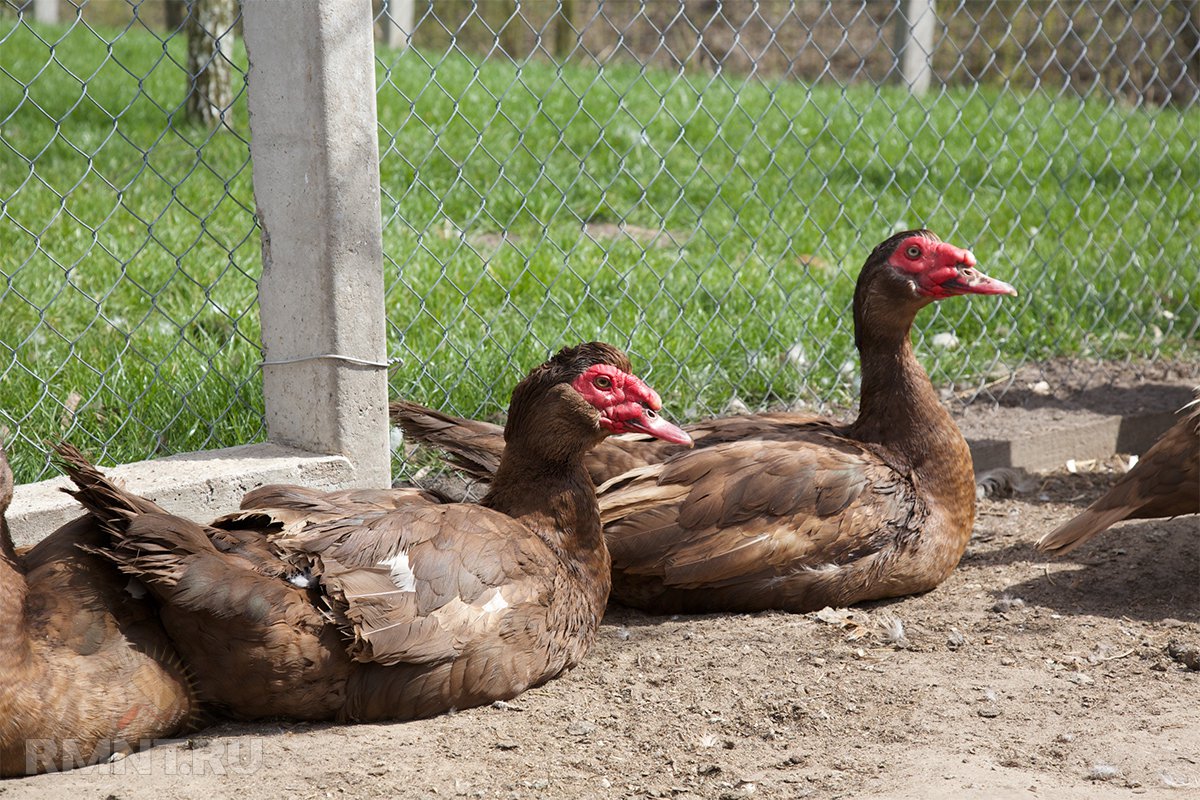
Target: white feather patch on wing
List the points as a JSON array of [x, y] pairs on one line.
[[822, 568], [497, 603], [301, 579], [402, 574]]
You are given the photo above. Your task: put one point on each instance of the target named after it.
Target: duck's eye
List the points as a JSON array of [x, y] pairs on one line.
[[913, 251], [602, 382]]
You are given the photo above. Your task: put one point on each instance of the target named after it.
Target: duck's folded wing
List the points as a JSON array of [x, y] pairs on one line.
[[417, 584], [621, 454], [290, 509], [755, 508], [475, 447]]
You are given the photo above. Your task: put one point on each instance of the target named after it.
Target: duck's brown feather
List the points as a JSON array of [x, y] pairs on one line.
[[86, 669], [388, 604]]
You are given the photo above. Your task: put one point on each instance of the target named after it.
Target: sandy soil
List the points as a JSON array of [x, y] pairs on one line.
[[1018, 677]]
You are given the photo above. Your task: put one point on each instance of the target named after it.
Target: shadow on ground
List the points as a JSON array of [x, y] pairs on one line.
[[1146, 570]]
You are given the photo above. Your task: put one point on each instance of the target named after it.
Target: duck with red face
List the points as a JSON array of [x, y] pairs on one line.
[[783, 510], [388, 604]]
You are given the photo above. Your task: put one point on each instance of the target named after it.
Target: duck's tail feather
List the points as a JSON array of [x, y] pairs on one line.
[[1081, 528], [103, 497], [182, 563], [472, 446]]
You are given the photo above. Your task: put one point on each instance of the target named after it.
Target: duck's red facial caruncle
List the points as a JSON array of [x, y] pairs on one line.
[[940, 270], [626, 404]]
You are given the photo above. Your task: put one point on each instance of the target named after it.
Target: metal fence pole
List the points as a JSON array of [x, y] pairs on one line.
[[917, 55], [316, 182]]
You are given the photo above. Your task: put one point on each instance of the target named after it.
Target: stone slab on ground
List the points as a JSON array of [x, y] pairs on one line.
[[1041, 432], [198, 485]]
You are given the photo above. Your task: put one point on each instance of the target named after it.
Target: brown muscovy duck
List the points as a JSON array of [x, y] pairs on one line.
[[86, 671], [380, 605], [1165, 482], [790, 511]]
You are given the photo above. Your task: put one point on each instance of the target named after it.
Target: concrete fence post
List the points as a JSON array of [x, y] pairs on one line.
[[916, 64], [315, 156]]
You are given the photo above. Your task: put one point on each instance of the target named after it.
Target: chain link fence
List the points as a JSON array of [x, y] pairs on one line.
[[695, 181], [700, 181], [131, 250]]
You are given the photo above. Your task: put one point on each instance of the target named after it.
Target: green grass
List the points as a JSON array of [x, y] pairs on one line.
[[1089, 208], [130, 270], [773, 192]]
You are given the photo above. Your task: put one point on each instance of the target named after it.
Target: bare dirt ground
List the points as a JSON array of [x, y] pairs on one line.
[[1018, 677]]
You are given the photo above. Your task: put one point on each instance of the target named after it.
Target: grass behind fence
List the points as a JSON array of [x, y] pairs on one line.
[[769, 197], [774, 193]]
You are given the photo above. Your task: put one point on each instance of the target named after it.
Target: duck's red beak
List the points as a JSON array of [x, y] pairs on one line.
[[968, 280], [956, 274], [649, 421]]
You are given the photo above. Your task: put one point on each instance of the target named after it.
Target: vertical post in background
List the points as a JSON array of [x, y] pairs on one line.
[[916, 63], [397, 20], [565, 36], [175, 12], [315, 156], [508, 19], [209, 26], [46, 11]]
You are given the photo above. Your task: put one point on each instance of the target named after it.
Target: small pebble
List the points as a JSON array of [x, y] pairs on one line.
[[1007, 603], [580, 727], [1102, 772], [1184, 654]]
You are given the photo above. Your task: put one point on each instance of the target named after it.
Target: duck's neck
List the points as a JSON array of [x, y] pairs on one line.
[[900, 410], [556, 499]]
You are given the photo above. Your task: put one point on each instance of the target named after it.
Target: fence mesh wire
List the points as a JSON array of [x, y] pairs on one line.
[[695, 181], [699, 181], [130, 244]]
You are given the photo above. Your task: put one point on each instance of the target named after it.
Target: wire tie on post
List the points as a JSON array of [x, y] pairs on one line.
[[348, 359]]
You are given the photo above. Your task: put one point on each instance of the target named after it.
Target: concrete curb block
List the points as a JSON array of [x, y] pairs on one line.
[[196, 485], [1097, 437]]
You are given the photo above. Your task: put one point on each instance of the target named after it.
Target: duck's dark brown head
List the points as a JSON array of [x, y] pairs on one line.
[[581, 395], [910, 270]]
